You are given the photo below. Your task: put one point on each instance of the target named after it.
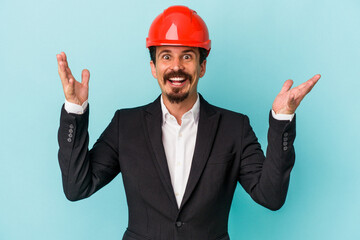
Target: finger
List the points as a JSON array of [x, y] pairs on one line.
[[309, 84], [64, 56], [85, 76], [64, 59], [62, 72], [314, 80], [68, 72], [59, 61], [287, 85], [58, 57], [66, 68]]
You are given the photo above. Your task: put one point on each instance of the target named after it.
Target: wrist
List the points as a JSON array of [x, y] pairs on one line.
[[283, 111], [282, 116], [71, 107], [73, 101]]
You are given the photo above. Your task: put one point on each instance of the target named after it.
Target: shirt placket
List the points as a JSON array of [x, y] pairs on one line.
[[179, 164]]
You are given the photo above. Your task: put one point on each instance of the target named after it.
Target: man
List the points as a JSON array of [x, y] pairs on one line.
[[180, 157]]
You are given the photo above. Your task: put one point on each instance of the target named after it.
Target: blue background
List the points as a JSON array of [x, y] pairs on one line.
[[256, 46]]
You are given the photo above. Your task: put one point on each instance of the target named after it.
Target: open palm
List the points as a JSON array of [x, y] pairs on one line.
[[289, 99], [75, 92]]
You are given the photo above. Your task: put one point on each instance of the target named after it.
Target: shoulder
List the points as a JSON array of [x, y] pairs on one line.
[[230, 122], [231, 119], [139, 111], [129, 112], [224, 113], [228, 113]]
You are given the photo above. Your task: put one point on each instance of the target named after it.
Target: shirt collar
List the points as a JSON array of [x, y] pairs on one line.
[[194, 112]]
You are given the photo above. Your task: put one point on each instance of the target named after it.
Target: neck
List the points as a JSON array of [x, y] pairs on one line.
[[179, 109]]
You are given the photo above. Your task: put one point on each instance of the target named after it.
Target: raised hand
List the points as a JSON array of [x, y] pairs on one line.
[[289, 99], [75, 92]]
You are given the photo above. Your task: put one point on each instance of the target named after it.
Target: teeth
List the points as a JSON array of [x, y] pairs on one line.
[[177, 79], [176, 83]]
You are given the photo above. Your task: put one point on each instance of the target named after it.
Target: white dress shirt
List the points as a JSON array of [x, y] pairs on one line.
[[178, 141], [179, 145]]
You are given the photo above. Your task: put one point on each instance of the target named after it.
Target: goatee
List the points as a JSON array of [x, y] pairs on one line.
[[175, 96]]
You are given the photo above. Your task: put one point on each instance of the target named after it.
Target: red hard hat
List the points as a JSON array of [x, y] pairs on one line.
[[179, 26]]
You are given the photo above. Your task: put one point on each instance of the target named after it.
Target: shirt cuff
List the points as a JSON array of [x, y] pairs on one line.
[[282, 117], [75, 108]]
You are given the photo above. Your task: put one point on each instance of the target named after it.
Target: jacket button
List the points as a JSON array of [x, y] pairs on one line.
[[71, 126], [178, 224], [286, 134]]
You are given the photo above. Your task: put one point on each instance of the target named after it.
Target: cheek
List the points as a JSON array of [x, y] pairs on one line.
[[160, 72], [197, 73]]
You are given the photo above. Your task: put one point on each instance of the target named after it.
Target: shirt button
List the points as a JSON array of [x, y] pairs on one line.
[[178, 163], [178, 224], [177, 194], [180, 134]]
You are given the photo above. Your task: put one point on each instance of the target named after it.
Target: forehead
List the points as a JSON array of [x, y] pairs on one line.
[[176, 49]]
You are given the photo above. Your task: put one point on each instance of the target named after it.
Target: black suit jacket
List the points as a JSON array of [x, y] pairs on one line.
[[226, 152]]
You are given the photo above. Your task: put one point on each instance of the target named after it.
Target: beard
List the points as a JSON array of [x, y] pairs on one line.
[[175, 96]]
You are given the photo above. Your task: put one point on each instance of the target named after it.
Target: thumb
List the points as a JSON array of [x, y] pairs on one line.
[[287, 85], [85, 76]]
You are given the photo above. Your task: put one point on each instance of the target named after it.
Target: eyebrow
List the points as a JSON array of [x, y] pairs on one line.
[[168, 51], [163, 51], [189, 50]]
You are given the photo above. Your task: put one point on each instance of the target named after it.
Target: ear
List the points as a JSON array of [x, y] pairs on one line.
[[153, 69], [202, 68]]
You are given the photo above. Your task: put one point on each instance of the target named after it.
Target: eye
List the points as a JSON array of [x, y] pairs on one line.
[[187, 56], [166, 56]]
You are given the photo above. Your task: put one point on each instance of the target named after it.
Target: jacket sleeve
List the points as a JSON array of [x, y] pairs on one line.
[[266, 179], [83, 171]]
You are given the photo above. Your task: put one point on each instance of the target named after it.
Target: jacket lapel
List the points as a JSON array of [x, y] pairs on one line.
[[153, 132], [207, 128]]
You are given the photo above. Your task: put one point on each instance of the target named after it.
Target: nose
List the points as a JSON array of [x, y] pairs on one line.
[[177, 64]]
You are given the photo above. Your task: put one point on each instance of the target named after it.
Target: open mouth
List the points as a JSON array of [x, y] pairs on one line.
[[177, 81]]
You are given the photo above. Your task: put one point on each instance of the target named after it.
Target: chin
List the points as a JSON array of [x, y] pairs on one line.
[[177, 97]]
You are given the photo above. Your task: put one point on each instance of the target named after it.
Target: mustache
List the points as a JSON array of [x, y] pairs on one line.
[[179, 73]]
